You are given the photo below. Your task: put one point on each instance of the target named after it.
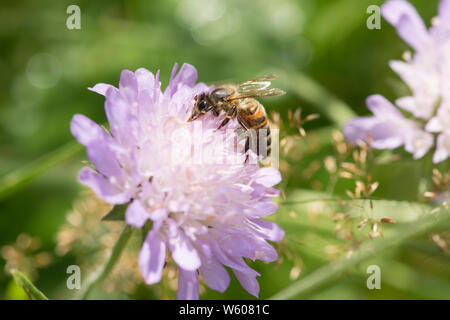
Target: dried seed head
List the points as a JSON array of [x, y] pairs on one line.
[[360, 188], [363, 157], [441, 243], [337, 136], [362, 224], [295, 272], [311, 117], [349, 254], [437, 173], [276, 118], [435, 210], [407, 56], [330, 164], [374, 227], [355, 156], [339, 216], [332, 249], [302, 131], [373, 187], [341, 148], [350, 194], [337, 228], [290, 114], [369, 140], [345, 175], [351, 167], [298, 116], [429, 194]]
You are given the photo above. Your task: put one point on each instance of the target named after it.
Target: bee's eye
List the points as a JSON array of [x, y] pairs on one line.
[[202, 105]]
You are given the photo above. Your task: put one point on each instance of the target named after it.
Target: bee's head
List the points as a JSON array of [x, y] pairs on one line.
[[202, 105]]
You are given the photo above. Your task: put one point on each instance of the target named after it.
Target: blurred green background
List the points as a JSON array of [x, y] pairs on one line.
[[46, 69]]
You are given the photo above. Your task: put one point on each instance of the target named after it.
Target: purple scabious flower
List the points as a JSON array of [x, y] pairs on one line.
[[427, 74], [205, 206]]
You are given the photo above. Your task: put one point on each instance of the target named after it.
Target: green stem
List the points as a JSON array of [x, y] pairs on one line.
[[31, 290], [105, 270], [366, 251], [13, 181]]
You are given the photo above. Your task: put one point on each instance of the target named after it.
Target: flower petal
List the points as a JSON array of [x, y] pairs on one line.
[[444, 12], [358, 128], [128, 87], [267, 230], [386, 135], [152, 258], [267, 177], [187, 285], [145, 79], [237, 243], [248, 281], [102, 88], [404, 17], [418, 142], [104, 159], [442, 147], [225, 259], [187, 76], [85, 130], [183, 252], [136, 215], [215, 275], [261, 209], [128, 80], [102, 187], [407, 103], [158, 214], [382, 108], [122, 124], [434, 125]]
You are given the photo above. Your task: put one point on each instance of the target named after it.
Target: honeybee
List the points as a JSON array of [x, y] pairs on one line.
[[237, 101]]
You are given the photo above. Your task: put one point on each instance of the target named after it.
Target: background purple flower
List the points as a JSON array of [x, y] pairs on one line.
[[427, 73]]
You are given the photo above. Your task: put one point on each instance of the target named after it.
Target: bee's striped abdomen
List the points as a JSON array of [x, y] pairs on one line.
[[256, 116], [255, 120]]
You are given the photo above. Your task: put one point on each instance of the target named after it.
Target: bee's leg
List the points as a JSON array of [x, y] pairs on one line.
[[247, 146], [247, 139], [224, 122], [231, 114]]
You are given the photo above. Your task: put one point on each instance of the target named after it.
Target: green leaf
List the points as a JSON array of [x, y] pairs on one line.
[[30, 289], [117, 213]]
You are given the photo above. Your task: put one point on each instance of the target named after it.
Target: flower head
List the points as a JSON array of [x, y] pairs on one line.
[[204, 205], [427, 74]]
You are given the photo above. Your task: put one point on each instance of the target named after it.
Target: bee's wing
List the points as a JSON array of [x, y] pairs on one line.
[[255, 84], [266, 92]]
